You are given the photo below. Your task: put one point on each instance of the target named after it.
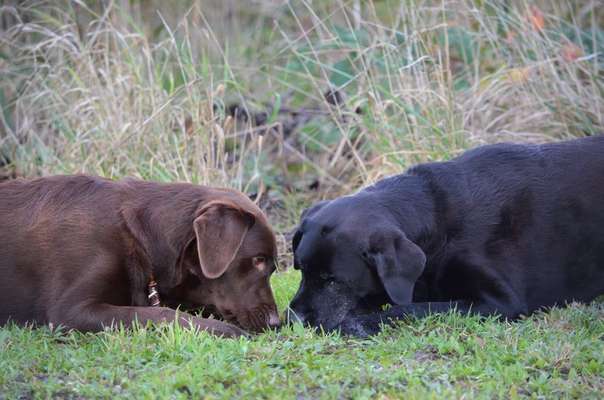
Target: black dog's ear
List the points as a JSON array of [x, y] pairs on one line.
[[295, 243], [398, 262], [296, 239]]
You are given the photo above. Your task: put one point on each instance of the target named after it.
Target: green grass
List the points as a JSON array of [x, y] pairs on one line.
[[559, 354]]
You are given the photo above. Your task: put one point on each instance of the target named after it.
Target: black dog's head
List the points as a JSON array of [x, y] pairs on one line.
[[354, 258]]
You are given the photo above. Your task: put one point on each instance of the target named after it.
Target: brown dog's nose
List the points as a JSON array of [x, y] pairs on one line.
[[273, 320]]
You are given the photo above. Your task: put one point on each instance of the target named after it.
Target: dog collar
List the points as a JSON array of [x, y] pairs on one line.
[[153, 294]]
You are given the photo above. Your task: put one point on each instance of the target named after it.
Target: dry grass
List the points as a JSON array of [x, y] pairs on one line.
[[124, 89]]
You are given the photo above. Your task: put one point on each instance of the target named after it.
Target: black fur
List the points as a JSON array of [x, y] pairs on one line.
[[503, 230]]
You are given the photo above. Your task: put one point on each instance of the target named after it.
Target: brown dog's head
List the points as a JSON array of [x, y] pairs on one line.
[[232, 255]]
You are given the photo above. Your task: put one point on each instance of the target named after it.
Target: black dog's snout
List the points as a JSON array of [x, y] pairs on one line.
[[297, 312]]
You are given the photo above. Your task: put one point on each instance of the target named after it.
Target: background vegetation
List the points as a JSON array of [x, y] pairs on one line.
[[294, 101]]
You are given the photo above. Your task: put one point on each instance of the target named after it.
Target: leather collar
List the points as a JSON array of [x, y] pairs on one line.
[[153, 294]]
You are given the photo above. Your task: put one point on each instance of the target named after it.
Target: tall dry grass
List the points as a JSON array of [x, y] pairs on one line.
[[144, 88]]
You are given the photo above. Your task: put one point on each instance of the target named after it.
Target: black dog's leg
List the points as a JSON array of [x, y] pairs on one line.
[[363, 325]]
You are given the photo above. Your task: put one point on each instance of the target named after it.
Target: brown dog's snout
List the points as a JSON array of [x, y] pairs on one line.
[[273, 321], [268, 317], [259, 318], [254, 309]]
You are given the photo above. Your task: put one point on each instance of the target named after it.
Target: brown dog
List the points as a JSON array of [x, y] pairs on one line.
[[86, 252]]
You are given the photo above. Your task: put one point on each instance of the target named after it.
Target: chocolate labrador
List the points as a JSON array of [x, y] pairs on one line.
[[501, 230], [87, 253]]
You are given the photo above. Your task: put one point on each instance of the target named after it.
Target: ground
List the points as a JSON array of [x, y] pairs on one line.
[[557, 354]]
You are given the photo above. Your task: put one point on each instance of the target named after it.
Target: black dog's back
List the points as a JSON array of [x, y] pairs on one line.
[[529, 216], [569, 246]]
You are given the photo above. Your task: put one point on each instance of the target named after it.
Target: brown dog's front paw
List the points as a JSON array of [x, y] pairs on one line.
[[232, 331], [220, 328]]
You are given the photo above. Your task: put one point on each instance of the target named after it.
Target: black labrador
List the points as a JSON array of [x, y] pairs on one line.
[[503, 229]]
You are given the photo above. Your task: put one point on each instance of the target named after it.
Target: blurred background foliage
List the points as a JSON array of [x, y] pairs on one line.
[[289, 100]]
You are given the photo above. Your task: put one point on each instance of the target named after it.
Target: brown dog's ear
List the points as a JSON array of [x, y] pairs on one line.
[[220, 231], [399, 263]]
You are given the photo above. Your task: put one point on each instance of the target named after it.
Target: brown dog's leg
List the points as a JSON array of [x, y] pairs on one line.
[[86, 304], [95, 317]]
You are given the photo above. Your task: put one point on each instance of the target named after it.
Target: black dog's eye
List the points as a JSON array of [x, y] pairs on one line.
[[325, 230]]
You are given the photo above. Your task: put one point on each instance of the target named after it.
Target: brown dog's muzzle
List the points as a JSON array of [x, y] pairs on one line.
[[256, 319]]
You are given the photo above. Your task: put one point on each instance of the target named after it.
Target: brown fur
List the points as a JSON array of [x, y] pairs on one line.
[[79, 251]]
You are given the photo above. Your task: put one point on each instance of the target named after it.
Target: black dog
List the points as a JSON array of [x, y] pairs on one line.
[[501, 230]]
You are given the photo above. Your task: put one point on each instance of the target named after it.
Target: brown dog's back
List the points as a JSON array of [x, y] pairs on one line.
[[46, 219]]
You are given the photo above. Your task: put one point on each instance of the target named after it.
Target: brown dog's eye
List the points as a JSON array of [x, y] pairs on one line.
[[259, 262]]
